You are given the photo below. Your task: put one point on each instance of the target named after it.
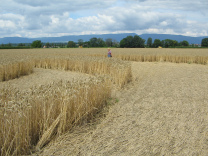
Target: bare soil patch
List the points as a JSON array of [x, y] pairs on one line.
[[164, 111]]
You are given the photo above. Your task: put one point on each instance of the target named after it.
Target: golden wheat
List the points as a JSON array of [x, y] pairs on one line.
[[10, 59], [30, 118], [15, 70], [33, 118], [119, 71]]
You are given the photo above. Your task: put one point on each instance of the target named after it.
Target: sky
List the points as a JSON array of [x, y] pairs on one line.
[[54, 18]]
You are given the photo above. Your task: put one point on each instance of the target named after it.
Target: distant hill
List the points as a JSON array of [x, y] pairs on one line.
[[117, 37], [74, 38], [191, 40]]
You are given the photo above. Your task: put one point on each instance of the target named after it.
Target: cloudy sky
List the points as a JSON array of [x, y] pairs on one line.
[[38, 18]]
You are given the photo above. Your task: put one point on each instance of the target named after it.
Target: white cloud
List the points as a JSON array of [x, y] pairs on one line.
[[56, 18]]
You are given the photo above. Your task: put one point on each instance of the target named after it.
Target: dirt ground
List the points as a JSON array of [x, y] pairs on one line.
[[164, 111]]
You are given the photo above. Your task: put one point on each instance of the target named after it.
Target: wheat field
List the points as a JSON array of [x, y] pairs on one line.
[[30, 119], [15, 63]]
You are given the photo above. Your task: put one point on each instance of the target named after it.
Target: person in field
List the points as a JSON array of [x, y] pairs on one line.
[[109, 52]]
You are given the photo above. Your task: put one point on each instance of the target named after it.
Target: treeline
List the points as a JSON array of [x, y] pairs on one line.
[[15, 46], [138, 42], [94, 42], [127, 42], [167, 43], [133, 42]]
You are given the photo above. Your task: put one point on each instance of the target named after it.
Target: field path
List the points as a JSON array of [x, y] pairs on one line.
[[164, 111]]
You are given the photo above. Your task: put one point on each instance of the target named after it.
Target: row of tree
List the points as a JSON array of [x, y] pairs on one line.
[[94, 42], [167, 43], [128, 42], [14, 46], [138, 42]]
